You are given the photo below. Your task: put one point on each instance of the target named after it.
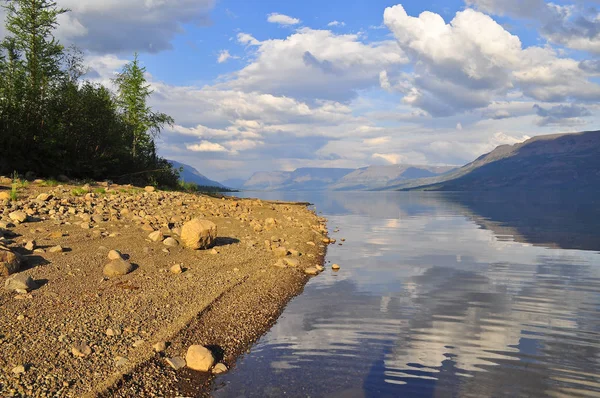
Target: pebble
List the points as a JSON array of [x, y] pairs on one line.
[[335, 267], [219, 368], [170, 242], [115, 255], [160, 346], [176, 362], [176, 269], [81, 350], [19, 370], [56, 249]]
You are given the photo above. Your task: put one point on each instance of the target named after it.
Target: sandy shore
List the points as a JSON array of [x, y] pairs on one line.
[[225, 299]]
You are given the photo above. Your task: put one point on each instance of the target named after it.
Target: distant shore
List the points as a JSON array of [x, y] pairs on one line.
[[79, 333]]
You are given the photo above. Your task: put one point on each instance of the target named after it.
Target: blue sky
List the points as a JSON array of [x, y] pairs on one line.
[[273, 85]]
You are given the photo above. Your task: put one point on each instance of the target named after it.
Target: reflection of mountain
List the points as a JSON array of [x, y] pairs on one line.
[[549, 221]]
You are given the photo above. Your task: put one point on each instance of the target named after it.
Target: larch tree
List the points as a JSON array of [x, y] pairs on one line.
[[133, 92]]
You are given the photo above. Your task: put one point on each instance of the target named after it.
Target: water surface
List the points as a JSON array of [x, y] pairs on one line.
[[439, 295]]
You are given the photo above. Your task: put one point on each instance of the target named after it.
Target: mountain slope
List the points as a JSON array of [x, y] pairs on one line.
[[309, 179], [561, 161], [190, 174], [378, 177]]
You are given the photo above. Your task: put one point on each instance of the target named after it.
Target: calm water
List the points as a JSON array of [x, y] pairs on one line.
[[439, 295]]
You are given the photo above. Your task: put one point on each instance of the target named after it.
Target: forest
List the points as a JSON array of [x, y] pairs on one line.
[[53, 121]]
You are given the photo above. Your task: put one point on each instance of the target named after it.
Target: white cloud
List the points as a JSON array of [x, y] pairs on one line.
[[246, 39], [206, 146], [472, 60], [224, 56], [336, 23], [282, 19], [388, 157], [316, 64]]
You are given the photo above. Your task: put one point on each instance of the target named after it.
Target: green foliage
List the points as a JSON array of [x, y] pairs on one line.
[[78, 192], [52, 122], [50, 183]]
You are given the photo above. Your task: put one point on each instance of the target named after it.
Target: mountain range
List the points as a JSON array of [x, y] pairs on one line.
[[569, 162], [566, 162]]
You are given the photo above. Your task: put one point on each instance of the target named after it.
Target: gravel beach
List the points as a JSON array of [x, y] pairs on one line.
[[108, 296]]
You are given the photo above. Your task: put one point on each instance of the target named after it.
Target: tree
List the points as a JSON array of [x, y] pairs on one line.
[[145, 125]]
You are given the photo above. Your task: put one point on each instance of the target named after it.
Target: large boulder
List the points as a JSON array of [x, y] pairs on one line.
[[20, 283], [10, 262], [199, 358], [117, 267], [198, 234]]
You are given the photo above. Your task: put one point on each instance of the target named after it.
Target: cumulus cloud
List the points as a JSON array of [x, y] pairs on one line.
[[316, 64], [282, 19], [574, 25], [465, 64], [115, 26]]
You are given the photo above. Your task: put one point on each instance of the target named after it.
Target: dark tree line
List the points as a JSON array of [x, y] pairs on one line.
[[54, 122]]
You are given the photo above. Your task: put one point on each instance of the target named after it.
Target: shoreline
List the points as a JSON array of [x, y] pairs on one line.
[[226, 299]]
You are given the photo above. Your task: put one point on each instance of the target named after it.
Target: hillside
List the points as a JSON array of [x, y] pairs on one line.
[[377, 177], [562, 161], [190, 174], [308, 179]]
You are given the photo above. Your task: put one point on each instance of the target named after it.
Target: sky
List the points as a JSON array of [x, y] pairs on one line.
[[277, 85]]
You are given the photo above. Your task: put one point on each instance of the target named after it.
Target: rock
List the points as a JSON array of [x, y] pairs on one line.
[[270, 223], [160, 346], [44, 197], [198, 234], [85, 225], [81, 350], [4, 196], [30, 245], [176, 269], [56, 235], [219, 368], [156, 236], [121, 361], [280, 264], [138, 343], [280, 251], [311, 271], [320, 268], [18, 216], [112, 332], [170, 242], [292, 262], [176, 362], [56, 249], [115, 255], [118, 267], [199, 358], [149, 189], [10, 262], [20, 283], [19, 370], [335, 267]]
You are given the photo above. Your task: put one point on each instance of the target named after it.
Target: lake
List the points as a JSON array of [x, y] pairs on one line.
[[444, 295]]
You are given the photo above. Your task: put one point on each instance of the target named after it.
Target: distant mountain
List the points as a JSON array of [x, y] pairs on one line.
[[566, 162], [235, 183], [368, 178], [190, 174], [378, 177], [305, 179]]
